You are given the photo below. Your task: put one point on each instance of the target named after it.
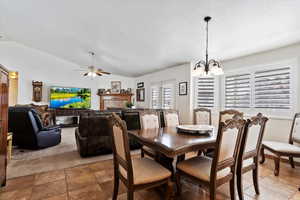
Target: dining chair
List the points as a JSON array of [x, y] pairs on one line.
[[136, 173], [214, 172], [248, 156], [171, 118], [280, 149], [202, 116], [223, 116], [228, 114], [149, 119]]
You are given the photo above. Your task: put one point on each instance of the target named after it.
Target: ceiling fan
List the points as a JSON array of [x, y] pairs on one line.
[[91, 70]]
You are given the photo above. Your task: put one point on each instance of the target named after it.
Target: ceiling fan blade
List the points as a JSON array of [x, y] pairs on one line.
[[99, 74], [85, 74], [102, 72], [105, 72]]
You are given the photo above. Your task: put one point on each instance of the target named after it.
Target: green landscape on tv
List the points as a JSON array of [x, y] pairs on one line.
[[68, 97]]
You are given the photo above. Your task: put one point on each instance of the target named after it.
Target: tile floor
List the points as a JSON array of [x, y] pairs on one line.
[[95, 181]]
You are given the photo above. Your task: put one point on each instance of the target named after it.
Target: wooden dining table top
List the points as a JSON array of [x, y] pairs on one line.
[[172, 143]]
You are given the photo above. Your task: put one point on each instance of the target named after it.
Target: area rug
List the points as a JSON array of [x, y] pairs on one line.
[[64, 155]]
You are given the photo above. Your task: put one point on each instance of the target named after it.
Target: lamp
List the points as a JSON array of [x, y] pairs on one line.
[[208, 67]]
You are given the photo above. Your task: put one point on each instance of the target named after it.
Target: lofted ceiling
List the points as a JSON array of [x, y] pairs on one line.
[[135, 37]]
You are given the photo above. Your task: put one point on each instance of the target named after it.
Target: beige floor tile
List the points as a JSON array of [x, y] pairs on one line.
[[91, 192], [47, 190], [47, 177]]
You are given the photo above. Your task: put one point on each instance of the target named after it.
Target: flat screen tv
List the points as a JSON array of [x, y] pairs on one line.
[[70, 97]]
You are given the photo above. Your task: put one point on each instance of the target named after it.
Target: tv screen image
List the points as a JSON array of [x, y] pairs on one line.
[[69, 97]]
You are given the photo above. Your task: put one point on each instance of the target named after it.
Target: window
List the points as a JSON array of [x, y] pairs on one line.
[[163, 95], [167, 96], [204, 92], [237, 91], [155, 97], [270, 89]]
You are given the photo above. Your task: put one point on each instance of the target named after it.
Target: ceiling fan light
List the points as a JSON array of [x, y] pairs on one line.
[[89, 74], [94, 74]]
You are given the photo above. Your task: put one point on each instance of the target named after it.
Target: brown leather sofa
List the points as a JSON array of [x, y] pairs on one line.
[[92, 135]]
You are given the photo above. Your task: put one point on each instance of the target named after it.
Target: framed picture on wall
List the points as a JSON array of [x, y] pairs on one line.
[[140, 94], [140, 85], [115, 87], [183, 88]]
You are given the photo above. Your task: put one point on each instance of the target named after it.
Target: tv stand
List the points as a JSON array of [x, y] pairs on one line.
[[71, 116]]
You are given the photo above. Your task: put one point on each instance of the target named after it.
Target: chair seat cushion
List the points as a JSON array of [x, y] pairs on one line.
[[282, 147], [146, 171], [200, 167], [149, 150]]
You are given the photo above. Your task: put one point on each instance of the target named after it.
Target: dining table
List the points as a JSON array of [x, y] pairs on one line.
[[170, 143]]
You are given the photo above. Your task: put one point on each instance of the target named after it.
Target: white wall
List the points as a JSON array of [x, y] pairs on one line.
[[36, 65], [178, 74]]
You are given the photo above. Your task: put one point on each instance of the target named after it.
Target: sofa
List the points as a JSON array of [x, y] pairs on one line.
[[29, 131], [92, 135]]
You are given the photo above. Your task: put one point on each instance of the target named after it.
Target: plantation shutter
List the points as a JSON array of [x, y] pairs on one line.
[[273, 88], [155, 97], [167, 96], [238, 91], [205, 96]]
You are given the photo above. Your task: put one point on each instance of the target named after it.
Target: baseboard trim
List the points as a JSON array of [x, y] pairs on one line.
[[285, 160]]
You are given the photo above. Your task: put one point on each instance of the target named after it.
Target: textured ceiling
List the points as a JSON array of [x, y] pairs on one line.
[[135, 37]]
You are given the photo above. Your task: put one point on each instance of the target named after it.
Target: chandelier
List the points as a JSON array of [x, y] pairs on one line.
[[208, 67]]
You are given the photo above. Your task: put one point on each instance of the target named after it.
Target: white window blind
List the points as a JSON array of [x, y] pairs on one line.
[[163, 96], [205, 92], [155, 97], [167, 96], [238, 91], [273, 88]]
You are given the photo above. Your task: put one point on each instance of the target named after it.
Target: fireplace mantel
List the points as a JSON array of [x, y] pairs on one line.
[[114, 100]]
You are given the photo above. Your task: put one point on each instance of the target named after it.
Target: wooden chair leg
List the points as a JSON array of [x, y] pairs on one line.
[[178, 184], [169, 190], [232, 188], [262, 153], [292, 161], [255, 179], [239, 180], [142, 153], [212, 192], [130, 194], [277, 165], [116, 187]]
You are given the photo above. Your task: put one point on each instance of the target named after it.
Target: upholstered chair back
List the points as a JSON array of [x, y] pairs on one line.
[[295, 132], [149, 119], [202, 116], [228, 114], [255, 130], [122, 158], [228, 144], [252, 139], [171, 118]]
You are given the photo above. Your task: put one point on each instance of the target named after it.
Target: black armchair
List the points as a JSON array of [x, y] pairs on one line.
[[28, 130]]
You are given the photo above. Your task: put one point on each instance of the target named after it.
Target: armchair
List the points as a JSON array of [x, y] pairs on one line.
[[29, 131]]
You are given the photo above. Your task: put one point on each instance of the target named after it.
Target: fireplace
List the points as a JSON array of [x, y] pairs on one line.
[[114, 100]]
